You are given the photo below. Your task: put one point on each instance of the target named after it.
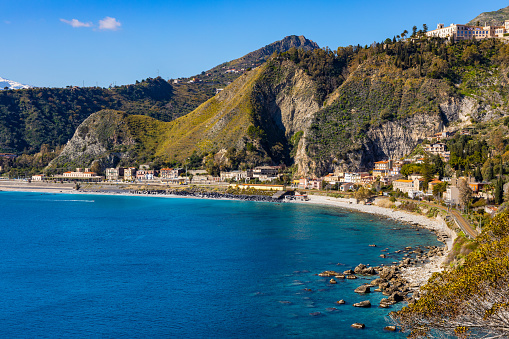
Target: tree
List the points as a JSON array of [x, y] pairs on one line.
[[424, 28], [465, 193], [403, 35], [362, 193], [439, 189], [471, 300], [499, 191], [427, 172], [414, 31]]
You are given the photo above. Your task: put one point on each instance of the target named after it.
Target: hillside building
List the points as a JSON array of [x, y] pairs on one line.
[[467, 32]]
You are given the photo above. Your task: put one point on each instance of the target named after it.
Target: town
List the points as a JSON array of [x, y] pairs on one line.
[[390, 177]]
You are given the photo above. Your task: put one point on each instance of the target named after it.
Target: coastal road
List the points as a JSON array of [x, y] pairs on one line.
[[462, 222]]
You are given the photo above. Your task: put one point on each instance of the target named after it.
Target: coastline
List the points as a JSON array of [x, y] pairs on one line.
[[416, 275]]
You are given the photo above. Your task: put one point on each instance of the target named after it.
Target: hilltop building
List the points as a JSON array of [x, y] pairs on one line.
[[467, 32]]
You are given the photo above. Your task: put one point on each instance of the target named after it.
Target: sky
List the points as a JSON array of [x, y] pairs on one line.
[[58, 43]]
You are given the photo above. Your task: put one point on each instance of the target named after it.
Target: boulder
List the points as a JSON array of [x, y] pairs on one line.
[[363, 289], [397, 297], [340, 302], [351, 276], [359, 268], [377, 281], [340, 276], [369, 271], [348, 272], [358, 326], [332, 281], [390, 328], [365, 304]]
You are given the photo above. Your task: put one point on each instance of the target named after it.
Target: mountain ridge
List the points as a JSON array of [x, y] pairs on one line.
[[493, 18], [6, 84]]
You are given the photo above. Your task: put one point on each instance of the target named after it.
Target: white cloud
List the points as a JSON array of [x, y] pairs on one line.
[[109, 23], [76, 23]]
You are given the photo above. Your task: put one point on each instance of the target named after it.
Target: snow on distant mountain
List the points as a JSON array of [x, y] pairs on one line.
[[11, 84]]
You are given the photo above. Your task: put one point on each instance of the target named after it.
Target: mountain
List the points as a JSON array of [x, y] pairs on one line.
[[9, 84], [321, 111], [495, 18], [37, 116]]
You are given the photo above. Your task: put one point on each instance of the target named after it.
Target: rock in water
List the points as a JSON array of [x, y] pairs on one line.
[[364, 304], [362, 289], [358, 326], [340, 302], [390, 328]]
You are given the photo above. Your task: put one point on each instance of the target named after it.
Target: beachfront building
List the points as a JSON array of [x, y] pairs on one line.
[[79, 175], [114, 173], [403, 185], [309, 184], [265, 173], [469, 32], [38, 177], [347, 186], [145, 174], [263, 187], [170, 173], [233, 175], [130, 174]]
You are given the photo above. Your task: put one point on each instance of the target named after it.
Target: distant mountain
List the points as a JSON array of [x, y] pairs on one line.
[[11, 84], [495, 18], [227, 72], [261, 55]]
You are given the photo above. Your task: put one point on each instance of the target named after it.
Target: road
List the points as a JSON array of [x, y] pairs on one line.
[[462, 222]]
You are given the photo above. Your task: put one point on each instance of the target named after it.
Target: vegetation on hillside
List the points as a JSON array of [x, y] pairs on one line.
[[399, 79], [469, 300]]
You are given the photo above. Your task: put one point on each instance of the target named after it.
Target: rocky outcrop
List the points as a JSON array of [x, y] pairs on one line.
[[103, 138]]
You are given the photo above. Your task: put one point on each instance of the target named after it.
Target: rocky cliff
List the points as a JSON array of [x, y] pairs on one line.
[[103, 138], [380, 102]]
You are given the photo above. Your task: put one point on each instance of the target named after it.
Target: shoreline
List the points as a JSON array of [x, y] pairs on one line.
[[417, 275]]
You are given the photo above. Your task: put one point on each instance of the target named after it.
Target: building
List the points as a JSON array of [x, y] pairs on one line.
[[266, 172], [347, 186], [114, 173], [233, 175], [467, 32], [79, 175], [130, 174], [145, 174], [382, 168], [355, 177], [170, 173], [452, 195], [38, 177], [403, 185], [432, 184], [263, 187]]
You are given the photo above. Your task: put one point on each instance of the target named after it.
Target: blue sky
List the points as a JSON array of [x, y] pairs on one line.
[[54, 43]]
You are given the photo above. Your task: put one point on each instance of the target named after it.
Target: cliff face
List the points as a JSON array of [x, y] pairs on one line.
[[103, 137], [374, 109]]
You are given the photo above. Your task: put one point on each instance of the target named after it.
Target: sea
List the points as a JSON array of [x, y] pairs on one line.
[[80, 266]]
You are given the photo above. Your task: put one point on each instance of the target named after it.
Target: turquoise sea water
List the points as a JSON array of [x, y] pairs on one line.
[[112, 266]]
